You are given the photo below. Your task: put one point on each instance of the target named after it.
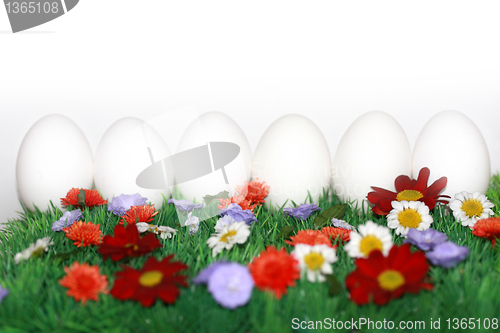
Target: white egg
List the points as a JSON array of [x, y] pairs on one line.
[[451, 145], [372, 152], [215, 127], [123, 153], [54, 157], [293, 158]]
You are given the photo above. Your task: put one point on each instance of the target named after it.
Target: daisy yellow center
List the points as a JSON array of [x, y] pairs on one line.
[[472, 207], [409, 195], [314, 260], [370, 243], [38, 252], [151, 278], [225, 238], [409, 218], [132, 245], [390, 280]]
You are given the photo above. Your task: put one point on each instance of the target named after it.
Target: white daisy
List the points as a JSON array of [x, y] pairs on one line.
[[371, 236], [408, 214], [34, 250], [193, 222], [236, 233], [468, 208], [315, 260], [226, 220], [164, 232]]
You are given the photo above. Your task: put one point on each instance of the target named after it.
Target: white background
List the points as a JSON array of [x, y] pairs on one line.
[[253, 60]]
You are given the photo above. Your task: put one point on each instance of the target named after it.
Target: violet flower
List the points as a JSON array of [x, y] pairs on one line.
[[341, 224], [425, 240], [226, 220], [185, 205], [231, 285], [206, 273], [301, 212], [3, 293], [121, 204], [447, 254], [68, 218], [234, 210]]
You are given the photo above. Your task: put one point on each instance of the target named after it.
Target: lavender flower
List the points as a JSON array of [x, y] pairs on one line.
[[425, 240], [121, 204], [193, 222], [226, 220], [302, 212], [238, 214], [231, 285], [67, 219], [342, 224], [206, 273], [447, 254], [3, 293], [185, 205]]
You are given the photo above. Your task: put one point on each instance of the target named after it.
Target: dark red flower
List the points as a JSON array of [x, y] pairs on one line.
[[80, 197], [380, 279], [274, 270], [488, 228], [156, 279], [127, 243], [409, 190]]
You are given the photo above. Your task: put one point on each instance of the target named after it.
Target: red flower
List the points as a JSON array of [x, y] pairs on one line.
[[142, 213], [237, 199], [274, 270], [84, 282], [127, 243], [488, 228], [343, 235], [80, 197], [84, 233], [409, 190], [254, 192], [311, 237], [156, 279], [380, 279]]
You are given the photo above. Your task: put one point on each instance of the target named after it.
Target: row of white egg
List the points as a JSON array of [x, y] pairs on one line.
[[292, 157]]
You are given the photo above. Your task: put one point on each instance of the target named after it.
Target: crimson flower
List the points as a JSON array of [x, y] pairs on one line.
[[488, 228], [380, 279], [409, 190], [156, 279], [274, 270], [310, 237], [127, 243], [80, 197]]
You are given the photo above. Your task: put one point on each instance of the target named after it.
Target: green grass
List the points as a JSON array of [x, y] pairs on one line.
[[37, 303]]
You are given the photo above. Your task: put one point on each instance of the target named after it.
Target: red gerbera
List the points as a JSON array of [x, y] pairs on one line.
[[409, 190], [84, 282], [380, 279], [127, 243], [156, 279], [488, 228], [310, 237], [274, 270], [343, 235], [84, 233], [255, 191], [80, 197], [143, 213], [237, 199]]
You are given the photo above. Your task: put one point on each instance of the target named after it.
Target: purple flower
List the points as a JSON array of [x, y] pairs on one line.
[[67, 219], [425, 240], [226, 220], [302, 212], [205, 274], [447, 254], [3, 292], [122, 203], [231, 285], [185, 205], [238, 214], [341, 224]]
